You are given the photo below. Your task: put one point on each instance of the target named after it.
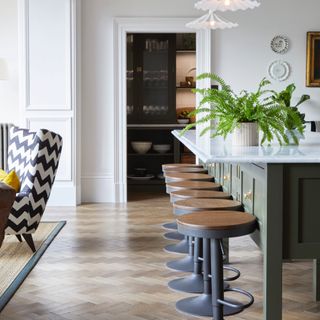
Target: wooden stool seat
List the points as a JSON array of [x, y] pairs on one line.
[[185, 169], [201, 194], [198, 185], [196, 204], [171, 166], [182, 176], [217, 220]]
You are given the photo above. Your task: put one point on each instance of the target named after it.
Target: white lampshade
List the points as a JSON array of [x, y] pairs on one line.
[[4, 73], [226, 5], [211, 21]]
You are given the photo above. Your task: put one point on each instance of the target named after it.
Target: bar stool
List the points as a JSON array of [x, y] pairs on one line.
[[186, 185], [187, 264], [196, 204], [187, 194], [189, 185], [182, 168], [175, 166], [200, 194], [172, 176], [186, 169], [192, 185], [185, 176], [212, 227]]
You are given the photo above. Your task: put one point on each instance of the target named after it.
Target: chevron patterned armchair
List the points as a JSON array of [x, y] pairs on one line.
[[35, 158]]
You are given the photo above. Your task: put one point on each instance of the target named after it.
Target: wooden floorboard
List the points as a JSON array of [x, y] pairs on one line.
[[108, 263]]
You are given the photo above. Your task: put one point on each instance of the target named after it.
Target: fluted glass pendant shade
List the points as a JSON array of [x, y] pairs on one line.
[[226, 5], [211, 21]]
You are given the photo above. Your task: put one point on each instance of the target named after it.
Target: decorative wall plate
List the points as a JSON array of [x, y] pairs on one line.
[[279, 70], [280, 44]]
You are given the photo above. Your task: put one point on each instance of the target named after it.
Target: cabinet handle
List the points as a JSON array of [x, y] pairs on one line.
[[248, 195]]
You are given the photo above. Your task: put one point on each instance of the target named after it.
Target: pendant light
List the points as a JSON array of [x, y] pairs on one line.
[[211, 21], [226, 5]]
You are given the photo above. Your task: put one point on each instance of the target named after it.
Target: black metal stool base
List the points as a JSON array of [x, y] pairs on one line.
[[181, 247], [190, 284], [170, 226], [183, 265], [202, 306], [173, 236]]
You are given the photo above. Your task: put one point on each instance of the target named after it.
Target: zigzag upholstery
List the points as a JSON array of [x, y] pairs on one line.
[[35, 158]]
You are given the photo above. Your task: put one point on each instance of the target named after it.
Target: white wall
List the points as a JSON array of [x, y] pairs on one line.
[[98, 91], [48, 79], [242, 55], [9, 102]]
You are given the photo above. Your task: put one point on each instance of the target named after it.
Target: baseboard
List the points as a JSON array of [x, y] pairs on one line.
[[63, 194], [97, 189]]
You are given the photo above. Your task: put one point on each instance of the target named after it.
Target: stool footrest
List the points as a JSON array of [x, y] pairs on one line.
[[236, 271], [238, 305]]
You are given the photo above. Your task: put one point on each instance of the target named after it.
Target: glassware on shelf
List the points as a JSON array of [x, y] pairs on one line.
[[130, 109], [155, 110], [164, 109], [156, 45], [155, 78], [129, 38], [130, 75]]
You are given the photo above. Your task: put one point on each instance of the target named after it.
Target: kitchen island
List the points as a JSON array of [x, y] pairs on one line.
[[280, 186]]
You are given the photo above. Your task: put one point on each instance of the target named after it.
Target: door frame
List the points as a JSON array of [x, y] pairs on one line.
[[122, 26]]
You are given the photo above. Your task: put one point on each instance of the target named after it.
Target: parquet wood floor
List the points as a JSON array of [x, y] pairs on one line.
[[108, 263]]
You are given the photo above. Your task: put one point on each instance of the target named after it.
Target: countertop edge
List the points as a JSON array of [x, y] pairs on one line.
[[266, 159]]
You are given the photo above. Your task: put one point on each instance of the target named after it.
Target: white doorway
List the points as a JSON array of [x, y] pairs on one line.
[[123, 26]]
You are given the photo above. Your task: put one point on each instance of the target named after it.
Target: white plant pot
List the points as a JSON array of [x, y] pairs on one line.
[[246, 134]]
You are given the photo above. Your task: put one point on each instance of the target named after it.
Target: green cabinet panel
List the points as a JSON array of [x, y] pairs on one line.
[[301, 211]]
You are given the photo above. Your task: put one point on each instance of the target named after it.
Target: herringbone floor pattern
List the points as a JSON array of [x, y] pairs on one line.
[[108, 264]]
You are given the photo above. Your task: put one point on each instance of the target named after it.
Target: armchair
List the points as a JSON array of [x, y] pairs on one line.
[[35, 158]]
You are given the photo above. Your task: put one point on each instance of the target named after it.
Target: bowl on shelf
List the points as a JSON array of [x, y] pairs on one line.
[[141, 147], [183, 121], [140, 172], [161, 148]]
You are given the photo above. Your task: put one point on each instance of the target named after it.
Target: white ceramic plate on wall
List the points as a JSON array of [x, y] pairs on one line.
[[279, 70]]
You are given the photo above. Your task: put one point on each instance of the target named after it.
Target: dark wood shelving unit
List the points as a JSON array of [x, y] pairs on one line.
[[156, 182], [151, 101], [186, 51], [150, 155]]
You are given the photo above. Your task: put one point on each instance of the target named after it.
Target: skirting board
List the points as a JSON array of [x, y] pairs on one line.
[[63, 195], [97, 189]]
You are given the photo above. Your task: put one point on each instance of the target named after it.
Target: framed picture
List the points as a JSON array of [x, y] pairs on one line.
[[313, 59]]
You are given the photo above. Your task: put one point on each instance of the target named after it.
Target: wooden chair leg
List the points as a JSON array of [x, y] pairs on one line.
[[19, 237], [29, 241]]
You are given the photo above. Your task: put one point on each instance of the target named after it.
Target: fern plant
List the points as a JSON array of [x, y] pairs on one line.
[[285, 97], [223, 110]]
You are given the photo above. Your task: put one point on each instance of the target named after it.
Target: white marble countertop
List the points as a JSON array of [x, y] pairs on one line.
[[308, 151]]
